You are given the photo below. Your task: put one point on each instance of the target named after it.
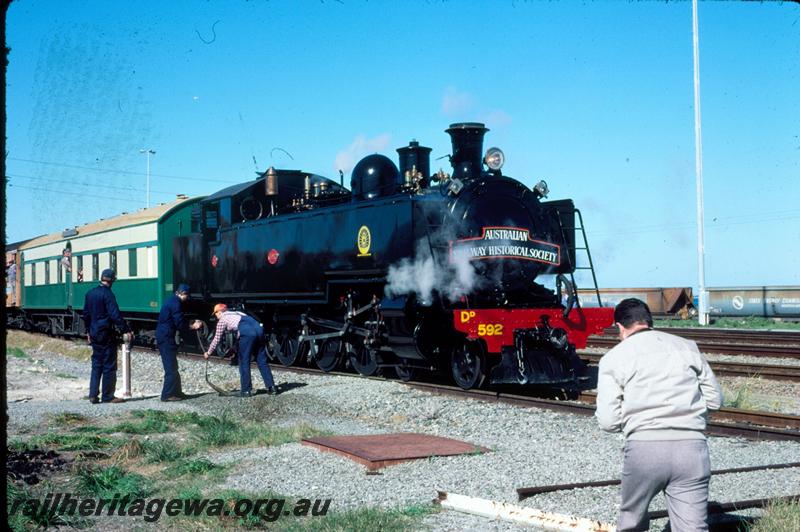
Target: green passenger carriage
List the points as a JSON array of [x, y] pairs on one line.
[[138, 246]]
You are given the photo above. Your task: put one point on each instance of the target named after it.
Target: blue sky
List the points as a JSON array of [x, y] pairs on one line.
[[595, 98]]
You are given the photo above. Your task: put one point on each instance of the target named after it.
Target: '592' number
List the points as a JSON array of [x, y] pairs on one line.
[[490, 329]]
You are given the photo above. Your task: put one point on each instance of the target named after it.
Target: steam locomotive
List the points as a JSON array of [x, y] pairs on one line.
[[409, 270]]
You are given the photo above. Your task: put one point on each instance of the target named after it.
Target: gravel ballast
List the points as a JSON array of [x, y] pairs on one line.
[[529, 447]]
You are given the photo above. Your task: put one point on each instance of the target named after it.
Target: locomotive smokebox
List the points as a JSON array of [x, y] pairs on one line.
[[415, 156], [467, 138]]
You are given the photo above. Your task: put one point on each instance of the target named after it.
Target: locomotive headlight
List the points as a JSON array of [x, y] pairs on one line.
[[494, 159], [541, 189]]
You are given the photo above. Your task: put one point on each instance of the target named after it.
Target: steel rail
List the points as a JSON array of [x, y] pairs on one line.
[[728, 335], [714, 427], [774, 420], [726, 507], [754, 350], [732, 369], [524, 493]]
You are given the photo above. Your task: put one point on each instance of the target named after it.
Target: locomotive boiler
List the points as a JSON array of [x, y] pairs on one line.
[[409, 269]]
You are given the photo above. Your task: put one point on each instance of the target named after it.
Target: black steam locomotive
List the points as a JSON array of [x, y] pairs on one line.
[[408, 269]]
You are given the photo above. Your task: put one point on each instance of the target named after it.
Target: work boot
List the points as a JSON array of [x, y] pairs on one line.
[[272, 390], [245, 394], [94, 400], [116, 400]]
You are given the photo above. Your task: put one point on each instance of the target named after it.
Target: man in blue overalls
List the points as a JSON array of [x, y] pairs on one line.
[[100, 314], [170, 320], [251, 345]]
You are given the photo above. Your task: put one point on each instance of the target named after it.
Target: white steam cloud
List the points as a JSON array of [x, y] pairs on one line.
[[423, 275], [361, 146]]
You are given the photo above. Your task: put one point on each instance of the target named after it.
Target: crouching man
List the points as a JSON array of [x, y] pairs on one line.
[[657, 389]]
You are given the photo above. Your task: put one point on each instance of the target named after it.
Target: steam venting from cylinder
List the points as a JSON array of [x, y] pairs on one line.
[[467, 139]]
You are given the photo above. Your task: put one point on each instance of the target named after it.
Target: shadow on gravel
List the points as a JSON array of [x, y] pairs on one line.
[[286, 386]]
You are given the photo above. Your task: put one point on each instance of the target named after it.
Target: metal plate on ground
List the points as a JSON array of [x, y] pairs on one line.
[[381, 450]]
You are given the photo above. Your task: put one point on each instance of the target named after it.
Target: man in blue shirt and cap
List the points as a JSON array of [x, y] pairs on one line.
[[170, 321], [100, 314]]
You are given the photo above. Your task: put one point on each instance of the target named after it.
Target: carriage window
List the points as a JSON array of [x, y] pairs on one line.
[[47, 272], [113, 259], [95, 267], [80, 268], [33, 274], [58, 272], [132, 263]]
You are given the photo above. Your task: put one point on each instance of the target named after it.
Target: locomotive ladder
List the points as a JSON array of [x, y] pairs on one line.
[[585, 247]]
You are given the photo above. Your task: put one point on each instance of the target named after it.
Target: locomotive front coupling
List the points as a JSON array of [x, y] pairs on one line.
[[540, 355]]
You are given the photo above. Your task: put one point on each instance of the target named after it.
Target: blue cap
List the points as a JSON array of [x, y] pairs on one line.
[[108, 275], [183, 289]]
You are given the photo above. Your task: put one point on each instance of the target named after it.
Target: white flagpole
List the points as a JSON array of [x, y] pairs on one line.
[[698, 162]]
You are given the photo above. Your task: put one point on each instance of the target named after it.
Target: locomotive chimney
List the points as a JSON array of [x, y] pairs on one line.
[[467, 139], [412, 156]]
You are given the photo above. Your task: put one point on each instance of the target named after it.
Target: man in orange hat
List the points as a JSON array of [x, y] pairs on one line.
[[251, 345]]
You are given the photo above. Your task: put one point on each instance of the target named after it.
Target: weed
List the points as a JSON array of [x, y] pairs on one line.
[[68, 418], [739, 398], [163, 451], [779, 517], [106, 482], [20, 445], [16, 352], [363, 520], [32, 342], [72, 442], [198, 466], [150, 422], [214, 431], [25, 513], [191, 492], [130, 450]]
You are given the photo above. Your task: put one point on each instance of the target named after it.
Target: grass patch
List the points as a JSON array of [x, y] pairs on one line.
[[304, 515], [147, 422], [71, 442], [22, 516], [779, 517], [197, 466], [16, 352], [105, 482], [163, 451], [20, 445], [223, 430], [363, 520], [32, 342], [739, 398], [66, 419]]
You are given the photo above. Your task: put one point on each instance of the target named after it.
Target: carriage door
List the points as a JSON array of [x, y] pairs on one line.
[[65, 270]]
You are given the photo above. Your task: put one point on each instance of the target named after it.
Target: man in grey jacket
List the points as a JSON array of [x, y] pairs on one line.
[[657, 389]]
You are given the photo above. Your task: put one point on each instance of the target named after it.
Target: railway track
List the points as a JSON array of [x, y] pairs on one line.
[[732, 369], [749, 336], [727, 421], [719, 346]]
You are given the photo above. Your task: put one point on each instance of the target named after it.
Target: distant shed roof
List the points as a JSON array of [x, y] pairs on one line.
[[141, 216]]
